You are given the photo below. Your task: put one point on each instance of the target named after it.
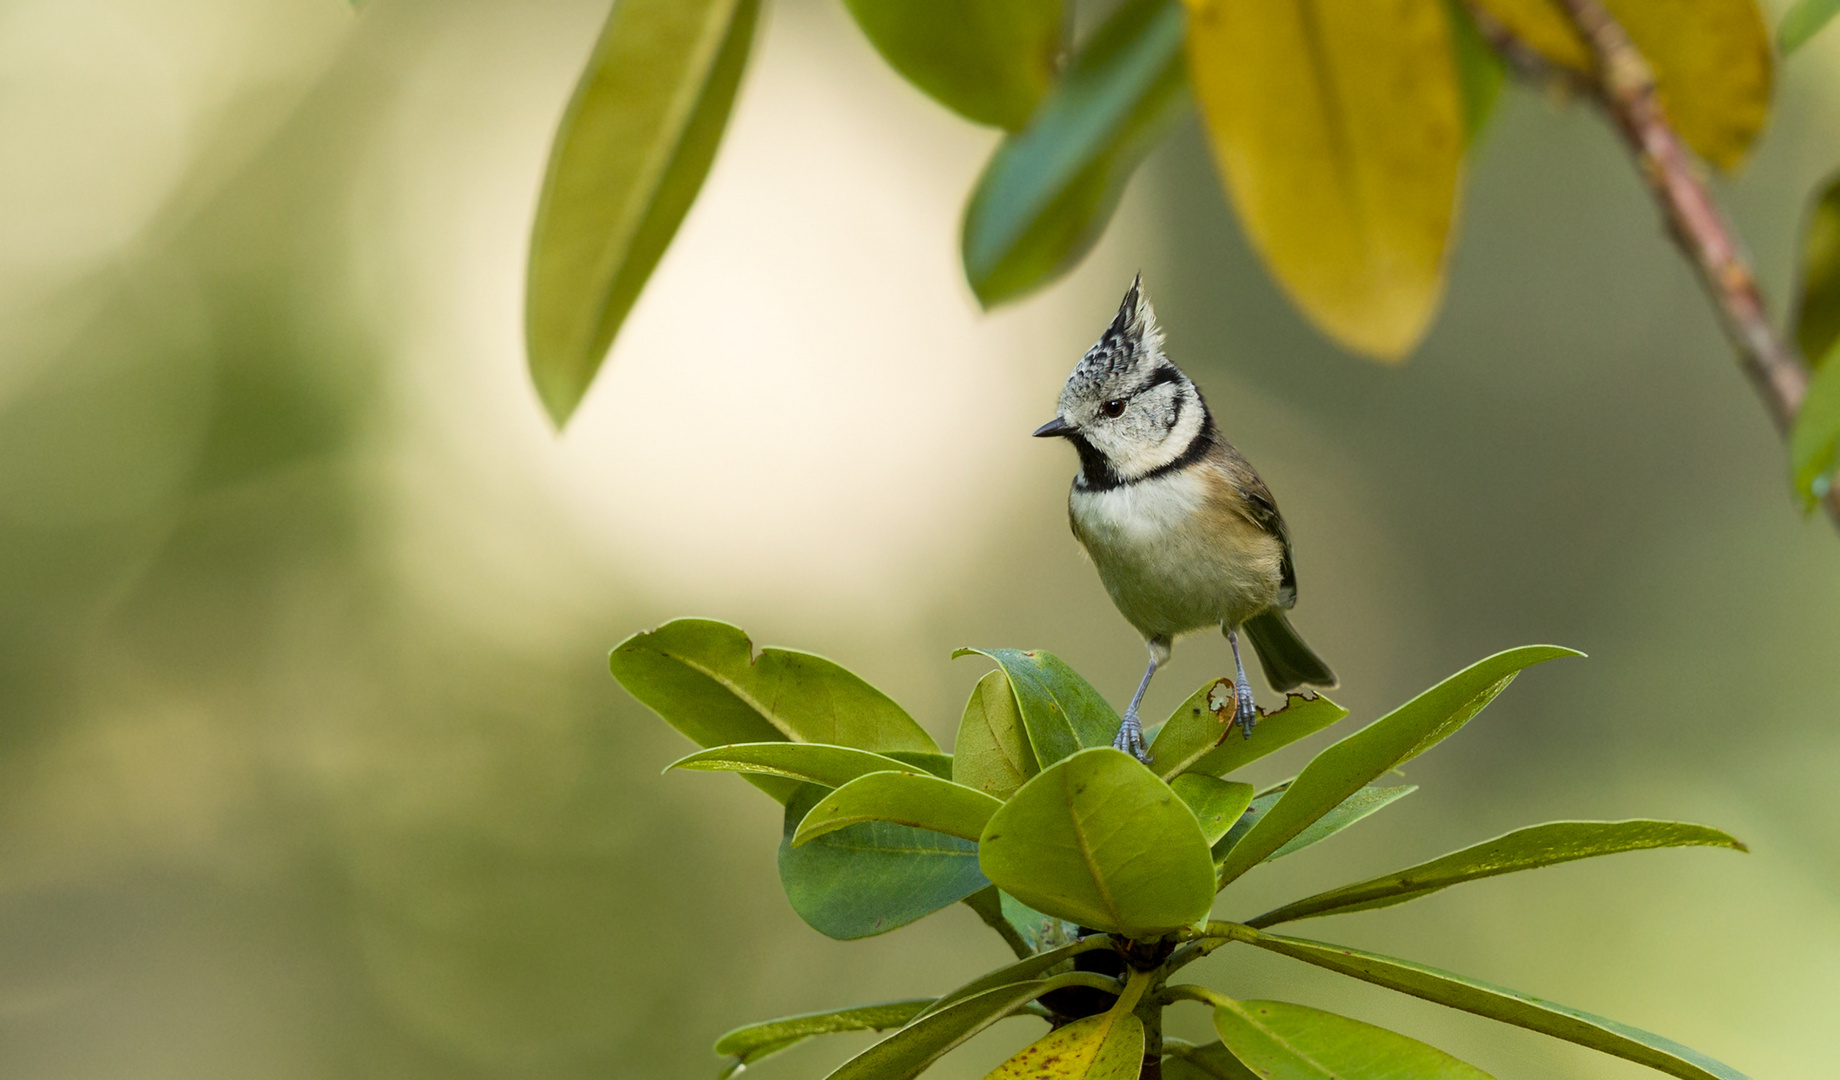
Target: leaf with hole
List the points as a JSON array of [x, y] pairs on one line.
[[1046, 195], [1349, 765], [1061, 713], [1294, 1042], [1523, 849], [630, 156], [989, 63], [1198, 737], [1098, 840], [921, 802]]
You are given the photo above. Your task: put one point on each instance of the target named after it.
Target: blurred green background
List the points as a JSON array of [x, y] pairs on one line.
[[311, 766]]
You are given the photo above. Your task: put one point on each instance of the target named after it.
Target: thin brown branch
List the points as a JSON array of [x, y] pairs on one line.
[[1623, 85]]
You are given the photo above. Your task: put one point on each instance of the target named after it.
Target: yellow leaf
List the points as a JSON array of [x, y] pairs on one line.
[[1712, 61], [1338, 126], [1109, 1046]]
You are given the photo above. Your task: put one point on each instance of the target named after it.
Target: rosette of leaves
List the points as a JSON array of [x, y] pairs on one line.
[[1100, 872]]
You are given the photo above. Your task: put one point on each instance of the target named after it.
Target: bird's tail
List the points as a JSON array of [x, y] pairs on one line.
[[1288, 662]]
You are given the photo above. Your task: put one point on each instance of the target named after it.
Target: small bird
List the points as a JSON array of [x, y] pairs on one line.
[[1184, 533]]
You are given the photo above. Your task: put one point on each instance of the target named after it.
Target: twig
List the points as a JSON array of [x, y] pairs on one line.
[[1623, 84]]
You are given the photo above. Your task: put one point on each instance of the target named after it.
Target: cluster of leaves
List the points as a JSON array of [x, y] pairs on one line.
[[1100, 872]]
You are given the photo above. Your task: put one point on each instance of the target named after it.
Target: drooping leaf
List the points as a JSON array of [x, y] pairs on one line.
[[816, 763], [1507, 1006], [1340, 139], [703, 678], [1294, 1042], [1711, 58], [1198, 736], [1109, 1046], [990, 63], [1349, 765], [1048, 191], [1479, 70], [1814, 440], [922, 802], [909, 1051], [754, 1042], [1523, 849], [1817, 303], [633, 148], [1098, 840], [1804, 21], [1350, 810], [1217, 804], [992, 752], [1061, 712], [872, 877], [1210, 1062]]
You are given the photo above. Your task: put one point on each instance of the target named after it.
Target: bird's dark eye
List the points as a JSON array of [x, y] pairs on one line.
[[1115, 407]]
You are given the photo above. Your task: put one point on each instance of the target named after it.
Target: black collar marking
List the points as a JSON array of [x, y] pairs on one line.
[[1097, 474]]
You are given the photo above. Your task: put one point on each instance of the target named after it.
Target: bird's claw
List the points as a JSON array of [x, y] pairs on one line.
[[1130, 739], [1245, 710]]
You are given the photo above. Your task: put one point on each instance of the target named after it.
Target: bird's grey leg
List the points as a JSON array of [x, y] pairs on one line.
[[1130, 738], [1244, 710]]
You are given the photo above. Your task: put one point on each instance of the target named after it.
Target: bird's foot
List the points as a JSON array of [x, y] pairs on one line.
[[1245, 710], [1130, 739]]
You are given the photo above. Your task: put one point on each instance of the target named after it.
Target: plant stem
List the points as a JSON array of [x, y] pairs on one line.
[[1623, 84]]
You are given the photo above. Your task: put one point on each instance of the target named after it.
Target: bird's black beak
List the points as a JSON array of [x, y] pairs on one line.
[[1056, 426]]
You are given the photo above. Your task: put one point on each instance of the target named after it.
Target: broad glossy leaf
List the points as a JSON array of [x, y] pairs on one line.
[[1098, 840], [1217, 804], [1048, 191], [1341, 142], [1711, 58], [1199, 738], [987, 62], [923, 802], [871, 878], [1210, 1062], [1804, 21], [1524, 849], [910, 1050], [1293, 1042], [1350, 810], [754, 1042], [1109, 1046], [1507, 1006], [1349, 765], [816, 763], [1817, 305], [1061, 712], [992, 752], [705, 680], [1814, 440], [1023, 970], [633, 148]]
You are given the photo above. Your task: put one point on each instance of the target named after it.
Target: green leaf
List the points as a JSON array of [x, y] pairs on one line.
[[1479, 70], [1061, 712], [1507, 1006], [992, 753], [1524, 849], [1098, 840], [1048, 191], [909, 1051], [1348, 766], [1261, 805], [816, 763], [874, 877], [1023, 970], [1211, 1062], [1109, 1046], [1814, 440], [926, 761], [633, 148], [990, 63], [703, 678], [1711, 59], [1196, 736], [923, 802], [1217, 804], [754, 1042], [1341, 142], [1804, 21], [1294, 1042], [1346, 813], [1817, 302]]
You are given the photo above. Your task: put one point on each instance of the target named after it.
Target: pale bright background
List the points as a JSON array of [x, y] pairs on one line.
[[310, 764]]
